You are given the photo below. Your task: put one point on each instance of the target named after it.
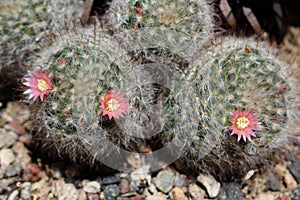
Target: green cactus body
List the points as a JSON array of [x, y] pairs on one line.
[[26, 25], [85, 66], [180, 26], [245, 73]]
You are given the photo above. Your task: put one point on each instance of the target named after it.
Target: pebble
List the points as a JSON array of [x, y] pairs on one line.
[[211, 185], [231, 191], [115, 179], [25, 191], [196, 192], [178, 194], [111, 191], [6, 157], [273, 182], [64, 191], [81, 195], [22, 154], [13, 170], [41, 189], [93, 196], [7, 139], [289, 180], [157, 196], [181, 180], [294, 169], [295, 194], [164, 181], [267, 196], [16, 111], [91, 186], [124, 186], [14, 195]]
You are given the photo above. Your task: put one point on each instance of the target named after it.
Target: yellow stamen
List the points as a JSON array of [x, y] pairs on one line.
[[112, 105], [242, 122], [42, 85]]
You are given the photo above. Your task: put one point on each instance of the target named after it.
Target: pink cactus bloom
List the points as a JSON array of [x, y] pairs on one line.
[[39, 84], [243, 124], [138, 10], [114, 104]]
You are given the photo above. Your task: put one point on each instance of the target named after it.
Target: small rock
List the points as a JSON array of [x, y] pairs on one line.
[[164, 180], [294, 168], [108, 180], [32, 173], [284, 197], [64, 191], [92, 187], [230, 191], [289, 180], [14, 195], [181, 180], [267, 196], [22, 154], [157, 196], [295, 194], [111, 190], [273, 183], [25, 192], [152, 189], [7, 139], [178, 194], [211, 185], [6, 157], [81, 195], [196, 192], [124, 186], [136, 197], [16, 111], [93, 196], [41, 189], [13, 170]]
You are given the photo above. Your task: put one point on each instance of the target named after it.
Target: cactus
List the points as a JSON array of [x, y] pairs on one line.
[[180, 26], [239, 74], [84, 67], [24, 25]]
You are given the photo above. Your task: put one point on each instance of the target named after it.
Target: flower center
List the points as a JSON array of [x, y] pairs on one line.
[[112, 105], [42, 85], [242, 122]]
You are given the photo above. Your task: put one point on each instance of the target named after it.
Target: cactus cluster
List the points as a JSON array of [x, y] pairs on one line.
[[25, 25], [181, 91], [85, 66], [241, 74]]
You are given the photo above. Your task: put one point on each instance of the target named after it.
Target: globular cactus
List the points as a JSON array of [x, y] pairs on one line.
[[77, 77], [24, 25], [180, 26], [242, 89]]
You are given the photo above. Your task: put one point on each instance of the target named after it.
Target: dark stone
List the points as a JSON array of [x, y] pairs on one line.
[[295, 194], [111, 191], [273, 183], [294, 168], [108, 180], [231, 191]]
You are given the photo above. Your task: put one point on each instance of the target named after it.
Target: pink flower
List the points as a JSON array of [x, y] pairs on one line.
[[39, 83], [114, 104], [138, 10], [243, 124]]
